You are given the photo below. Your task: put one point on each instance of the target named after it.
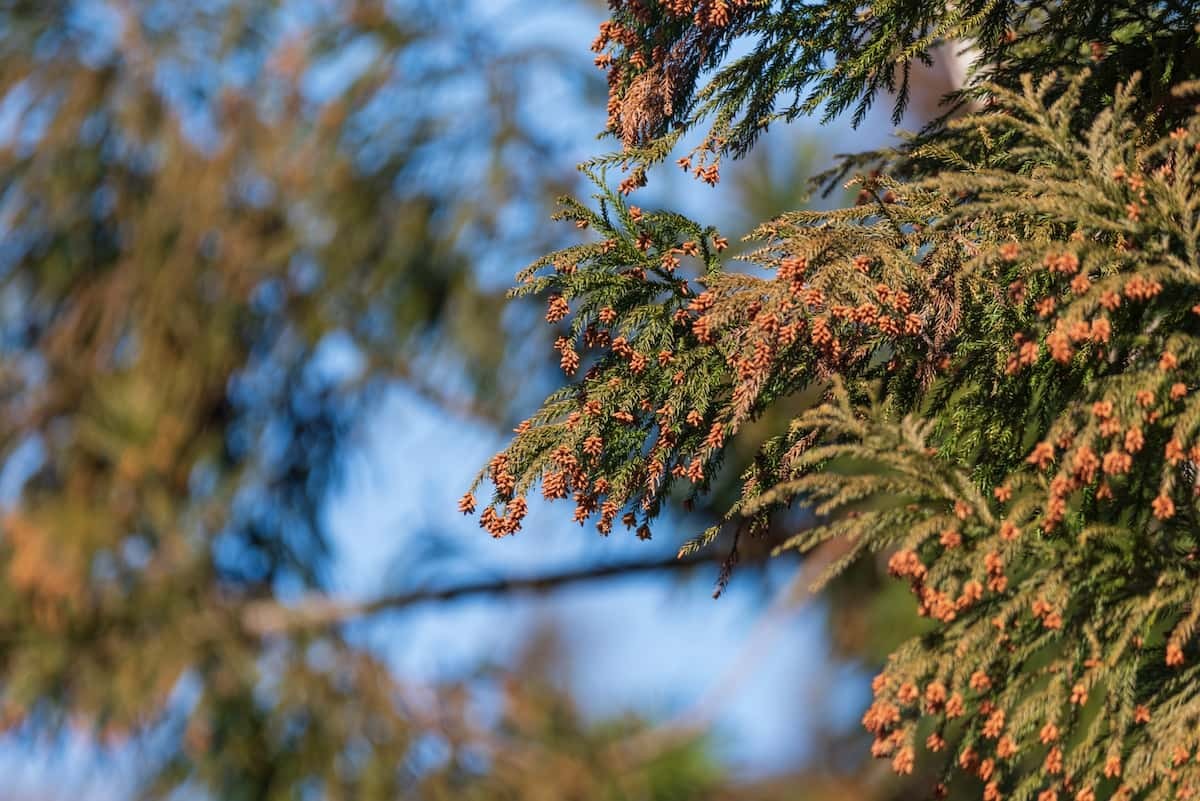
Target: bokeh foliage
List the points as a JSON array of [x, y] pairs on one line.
[[227, 228]]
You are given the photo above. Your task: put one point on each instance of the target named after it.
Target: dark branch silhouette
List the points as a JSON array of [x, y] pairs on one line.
[[273, 617]]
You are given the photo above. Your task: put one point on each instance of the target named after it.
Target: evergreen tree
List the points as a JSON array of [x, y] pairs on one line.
[[1000, 341]]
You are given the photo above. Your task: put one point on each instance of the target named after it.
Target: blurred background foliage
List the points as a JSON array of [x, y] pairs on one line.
[[228, 228]]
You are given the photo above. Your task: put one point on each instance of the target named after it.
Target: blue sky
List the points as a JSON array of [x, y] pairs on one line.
[[636, 643]]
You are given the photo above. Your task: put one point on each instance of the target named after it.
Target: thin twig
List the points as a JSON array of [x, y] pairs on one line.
[[699, 716]]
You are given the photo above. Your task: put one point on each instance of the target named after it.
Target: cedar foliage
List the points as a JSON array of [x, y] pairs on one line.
[[1003, 334]]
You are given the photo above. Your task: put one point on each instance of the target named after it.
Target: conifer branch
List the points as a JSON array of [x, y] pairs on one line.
[[1001, 341]]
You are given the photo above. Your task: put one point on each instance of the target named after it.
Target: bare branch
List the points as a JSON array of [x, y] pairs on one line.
[[262, 618]]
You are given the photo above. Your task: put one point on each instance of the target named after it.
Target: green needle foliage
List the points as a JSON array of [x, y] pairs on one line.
[[1003, 336]]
